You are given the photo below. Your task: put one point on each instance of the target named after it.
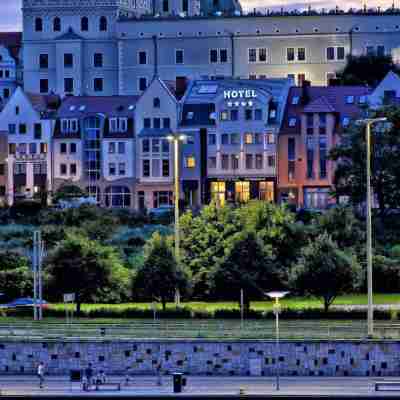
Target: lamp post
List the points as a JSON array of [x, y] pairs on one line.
[[176, 138], [370, 316], [277, 296]]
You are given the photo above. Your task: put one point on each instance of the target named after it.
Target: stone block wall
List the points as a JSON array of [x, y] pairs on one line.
[[199, 357]]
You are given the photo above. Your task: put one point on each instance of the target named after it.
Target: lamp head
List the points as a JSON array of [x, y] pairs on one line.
[[277, 294], [170, 138], [182, 137]]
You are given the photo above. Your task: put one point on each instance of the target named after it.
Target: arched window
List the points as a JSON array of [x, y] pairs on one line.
[[117, 196], [38, 25], [57, 24], [84, 24], [103, 24]]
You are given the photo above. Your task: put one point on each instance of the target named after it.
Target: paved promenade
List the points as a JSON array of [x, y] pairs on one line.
[[197, 386]]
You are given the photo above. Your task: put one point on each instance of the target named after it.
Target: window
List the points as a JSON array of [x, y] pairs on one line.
[[223, 55], [258, 114], [72, 169], [301, 54], [44, 86], [38, 25], [262, 55], [147, 122], [111, 147], [252, 55], [12, 148], [43, 148], [224, 115], [248, 138], [98, 60], [44, 61], [322, 123], [225, 161], [259, 161], [155, 145], [316, 197], [290, 54], [310, 157], [270, 138], [295, 54], [121, 147], [57, 24], [258, 138], [224, 138], [248, 114], [165, 6], [142, 57], [235, 138], [22, 129], [242, 192], [146, 168], [300, 79], [178, 56], [22, 148], [2, 169], [117, 196], [20, 168], [322, 157], [145, 145], [63, 169], [98, 84], [330, 53], [212, 140], [234, 115], [162, 199], [235, 161], [156, 123], [121, 169], [218, 190], [32, 148], [6, 93], [271, 161], [17, 110], [68, 85], [213, 56], [156, 102], [249, 161], [111, 169], [7, 73], [380, 51], [165, 168], [349, 99], [63, 148], [37, 131], [185, 6], [166, 123], [340, 53], [266, 191], [345, 121], [84, 24], [103, 24], [295, 100], [142, 84], [165, 146], [190, 162], [12, 128], [212, 162], [68, 60], [72, 148], [292, 121]]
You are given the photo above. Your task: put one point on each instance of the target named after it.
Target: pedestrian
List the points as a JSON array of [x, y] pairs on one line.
[[127, 376], [89, 374], [40, 372], [103, 377], [159, 379]]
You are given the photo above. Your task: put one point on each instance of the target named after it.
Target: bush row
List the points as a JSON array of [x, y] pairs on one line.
[[186, 313]]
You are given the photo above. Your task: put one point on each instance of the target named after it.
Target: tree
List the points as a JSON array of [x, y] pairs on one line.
[[68, 192], [246, 265], [325, 271], [350, 154], [366, 70], [15, 276], [159, 276], [84, 267]]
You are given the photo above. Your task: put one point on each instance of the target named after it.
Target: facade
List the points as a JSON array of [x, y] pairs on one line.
[[10, 66], [94, 148], [237, 124], [314, 119], [102, 48], [387, 92], [28, 120]]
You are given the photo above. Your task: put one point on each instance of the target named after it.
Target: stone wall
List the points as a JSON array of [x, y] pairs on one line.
[[199, 357]]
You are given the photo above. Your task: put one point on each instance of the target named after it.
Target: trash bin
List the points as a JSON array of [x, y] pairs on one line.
[[177, 379]]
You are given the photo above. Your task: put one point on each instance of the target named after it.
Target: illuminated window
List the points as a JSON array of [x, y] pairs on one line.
[[190, 162], [266, 191], [242, 191], [218, 193], [248, 138]]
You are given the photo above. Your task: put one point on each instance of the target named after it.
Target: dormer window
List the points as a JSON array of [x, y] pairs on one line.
[[64, 125], [295, 100], [73, 125], [82, 108], [156, 102], [190, 115], [349, 99], [362, 99], [345, 121], [118, 125], [292, 121]]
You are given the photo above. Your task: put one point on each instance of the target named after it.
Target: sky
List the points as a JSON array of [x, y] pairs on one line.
[[10, 10]]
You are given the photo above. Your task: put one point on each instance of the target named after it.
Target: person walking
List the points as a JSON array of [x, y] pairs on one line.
[[40, 372], [89, 374]]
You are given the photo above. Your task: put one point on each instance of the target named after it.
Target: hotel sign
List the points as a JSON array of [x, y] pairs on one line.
[[240, 94]]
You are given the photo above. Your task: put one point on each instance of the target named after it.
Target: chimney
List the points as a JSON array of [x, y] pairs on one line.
[[181, 85], [305, 96]]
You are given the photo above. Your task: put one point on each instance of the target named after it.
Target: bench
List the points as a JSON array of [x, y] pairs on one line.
[[387, 385]]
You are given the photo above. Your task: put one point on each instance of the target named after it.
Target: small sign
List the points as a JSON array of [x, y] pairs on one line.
[[240, 94], [69, 297]]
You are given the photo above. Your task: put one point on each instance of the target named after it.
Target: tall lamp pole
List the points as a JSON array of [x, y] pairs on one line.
[[370, 317], [277, 296], [176, 138]]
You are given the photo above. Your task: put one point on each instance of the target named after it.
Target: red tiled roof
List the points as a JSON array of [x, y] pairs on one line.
[[13, 41], [322, 99]]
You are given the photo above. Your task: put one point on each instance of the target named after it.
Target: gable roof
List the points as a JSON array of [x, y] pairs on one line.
[[44, 103], [13, 42], [321, 99]]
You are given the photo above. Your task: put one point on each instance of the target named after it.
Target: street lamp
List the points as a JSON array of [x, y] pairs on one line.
[[277, 296], [370, 317], [176, 138]]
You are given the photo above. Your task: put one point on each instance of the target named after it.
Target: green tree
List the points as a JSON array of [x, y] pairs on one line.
[[84, 267], [324, 271], [248, 266], [159, 276], [350, 174], [15, 276], [366, 70]]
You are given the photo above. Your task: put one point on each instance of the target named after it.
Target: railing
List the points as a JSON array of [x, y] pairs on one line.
[[202, 329]]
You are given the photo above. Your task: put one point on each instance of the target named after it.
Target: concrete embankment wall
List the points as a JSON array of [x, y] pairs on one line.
[[204, 357]]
